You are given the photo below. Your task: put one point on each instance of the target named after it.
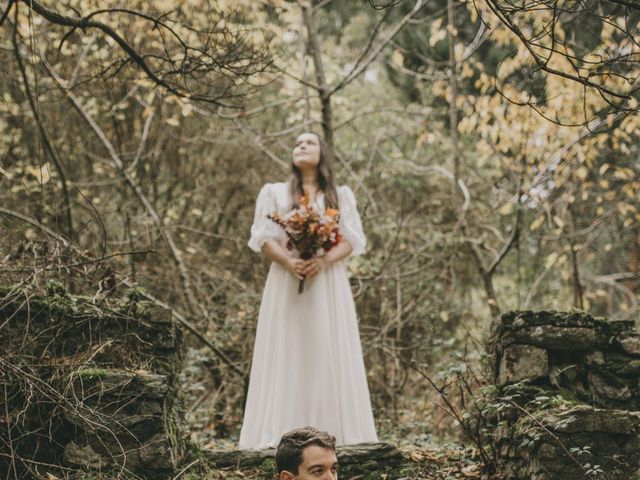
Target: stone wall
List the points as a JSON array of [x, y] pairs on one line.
[[89, 386], [92, 386], [568, 396]]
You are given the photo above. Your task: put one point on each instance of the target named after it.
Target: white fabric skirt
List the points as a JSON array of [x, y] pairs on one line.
[[307, 366]]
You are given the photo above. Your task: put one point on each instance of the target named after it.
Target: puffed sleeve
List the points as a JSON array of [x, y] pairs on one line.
[[350, 224], [264, 229]]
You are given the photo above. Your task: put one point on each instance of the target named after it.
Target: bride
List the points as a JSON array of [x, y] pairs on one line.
[[307, 366]]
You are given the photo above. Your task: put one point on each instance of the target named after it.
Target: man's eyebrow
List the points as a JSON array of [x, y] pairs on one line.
[[321, 465]]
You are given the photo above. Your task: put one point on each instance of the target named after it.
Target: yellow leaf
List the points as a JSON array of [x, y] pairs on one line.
[[417, 456], [437, 36], [625, 208], [41, 173], [397, 58], [187, 108], [536, 223], [630, 124], [506, 209], [422, 138], [558, 221], [174, 122], [473, 11], [623, 174], [467, 71], [582, 173], [30, 234], [7, 174], [603, 168]]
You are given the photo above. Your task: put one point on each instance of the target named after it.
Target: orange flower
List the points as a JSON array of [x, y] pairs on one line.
[[331, 212]]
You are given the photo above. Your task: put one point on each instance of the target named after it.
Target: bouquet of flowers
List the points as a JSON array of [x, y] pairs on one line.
[[309, 232]]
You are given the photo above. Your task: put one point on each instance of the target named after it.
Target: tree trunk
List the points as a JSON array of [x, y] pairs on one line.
[[453, 112], [322, 87]]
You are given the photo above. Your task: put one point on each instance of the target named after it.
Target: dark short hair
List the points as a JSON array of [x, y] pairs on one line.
[[293, 443]]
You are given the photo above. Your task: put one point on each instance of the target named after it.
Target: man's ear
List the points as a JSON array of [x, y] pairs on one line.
[[284, 475]]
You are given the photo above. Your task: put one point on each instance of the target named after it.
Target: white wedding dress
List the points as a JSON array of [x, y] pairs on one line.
[[307, 366]]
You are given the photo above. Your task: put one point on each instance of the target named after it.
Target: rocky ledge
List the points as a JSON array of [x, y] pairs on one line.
[[567, 399]]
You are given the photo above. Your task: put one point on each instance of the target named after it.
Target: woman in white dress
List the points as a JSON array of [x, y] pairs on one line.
[[307, 366]]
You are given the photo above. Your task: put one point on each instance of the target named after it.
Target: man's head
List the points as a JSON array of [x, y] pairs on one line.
[[307, 453]]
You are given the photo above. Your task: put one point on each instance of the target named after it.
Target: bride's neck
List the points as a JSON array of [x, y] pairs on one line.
[[310, 180]]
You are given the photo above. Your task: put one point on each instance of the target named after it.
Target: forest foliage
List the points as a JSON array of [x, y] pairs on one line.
[[492, 147]]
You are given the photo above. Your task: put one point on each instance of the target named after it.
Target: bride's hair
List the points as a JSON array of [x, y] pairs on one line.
[[325, 178]]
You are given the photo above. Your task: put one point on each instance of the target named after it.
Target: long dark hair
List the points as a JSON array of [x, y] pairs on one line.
[[325, 177]]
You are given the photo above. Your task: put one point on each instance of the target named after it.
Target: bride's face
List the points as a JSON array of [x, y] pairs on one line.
[[306, 152]]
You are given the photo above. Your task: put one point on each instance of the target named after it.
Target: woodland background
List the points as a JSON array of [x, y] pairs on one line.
[[492, 146]]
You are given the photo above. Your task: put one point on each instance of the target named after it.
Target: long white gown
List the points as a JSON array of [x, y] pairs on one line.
[[307, 366]]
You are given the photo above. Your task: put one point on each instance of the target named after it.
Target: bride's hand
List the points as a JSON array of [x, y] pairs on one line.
[[314, 266], [295, 266]]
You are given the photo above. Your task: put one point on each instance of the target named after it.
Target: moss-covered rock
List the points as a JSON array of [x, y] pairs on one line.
[[102, 381], [568, 400]]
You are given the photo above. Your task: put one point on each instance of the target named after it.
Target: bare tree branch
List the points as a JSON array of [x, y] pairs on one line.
[[5, 14], [376, 51], [38, 225], [257, 141], [506, 14], [323, 89], [119, 165], [193, 59], [43, 133], [181, 318]]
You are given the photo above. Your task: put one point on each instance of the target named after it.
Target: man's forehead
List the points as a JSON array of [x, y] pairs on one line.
[[315, 454]]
